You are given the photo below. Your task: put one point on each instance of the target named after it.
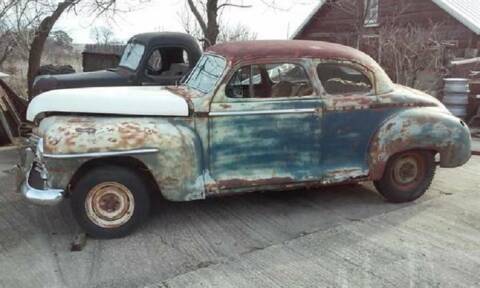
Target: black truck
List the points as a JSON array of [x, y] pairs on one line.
[[158, 58]]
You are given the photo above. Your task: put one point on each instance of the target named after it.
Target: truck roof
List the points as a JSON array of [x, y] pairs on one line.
[[166, 38]]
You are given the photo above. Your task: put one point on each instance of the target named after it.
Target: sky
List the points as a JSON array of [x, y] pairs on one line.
[[164, 15]]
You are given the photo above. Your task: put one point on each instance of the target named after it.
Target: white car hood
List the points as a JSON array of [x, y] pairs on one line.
[[143, 101]]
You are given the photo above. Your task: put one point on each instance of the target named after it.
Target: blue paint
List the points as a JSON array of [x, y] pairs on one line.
[[347, 136], [253, 147]]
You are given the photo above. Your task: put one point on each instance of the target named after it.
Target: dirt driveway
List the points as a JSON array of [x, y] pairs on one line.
[[337, 237]]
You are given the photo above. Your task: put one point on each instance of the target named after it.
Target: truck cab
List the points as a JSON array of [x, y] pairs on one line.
[[158, 58]]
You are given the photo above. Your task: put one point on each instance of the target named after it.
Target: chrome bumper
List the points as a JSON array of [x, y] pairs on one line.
[[45, 196]]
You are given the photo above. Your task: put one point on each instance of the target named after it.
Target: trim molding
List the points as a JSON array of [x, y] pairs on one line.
[[264, 112], [101, 154]]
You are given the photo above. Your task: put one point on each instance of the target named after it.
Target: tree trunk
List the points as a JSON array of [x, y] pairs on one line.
[[38, 43], [209, 26], [212, 23], [6, 52]]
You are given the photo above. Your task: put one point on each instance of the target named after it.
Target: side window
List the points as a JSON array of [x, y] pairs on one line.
[[269, 81], [168, 61], [371, 13], [338, 79]]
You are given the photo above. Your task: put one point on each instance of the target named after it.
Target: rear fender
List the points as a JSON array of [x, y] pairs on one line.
[[430, 129]]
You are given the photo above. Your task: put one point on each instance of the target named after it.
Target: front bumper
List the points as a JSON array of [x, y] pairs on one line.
[[30, 183]]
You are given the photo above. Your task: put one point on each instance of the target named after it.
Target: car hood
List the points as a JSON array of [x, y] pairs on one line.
[[141, 101], [101, 78]]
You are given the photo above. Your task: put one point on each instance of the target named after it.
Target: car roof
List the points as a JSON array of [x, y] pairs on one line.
[[251, 50], [237, 52]]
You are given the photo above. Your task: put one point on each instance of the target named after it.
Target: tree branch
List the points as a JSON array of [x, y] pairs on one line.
[[232, 5], [198, 16]]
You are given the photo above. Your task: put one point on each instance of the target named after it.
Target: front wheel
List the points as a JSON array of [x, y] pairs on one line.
[[407, 176], [109, 202]]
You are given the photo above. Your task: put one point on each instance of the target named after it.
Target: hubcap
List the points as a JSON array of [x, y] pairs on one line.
[[109, 204], [408, 171]]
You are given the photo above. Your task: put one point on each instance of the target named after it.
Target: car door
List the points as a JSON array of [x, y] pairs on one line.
[[265, 128], [351, 118]]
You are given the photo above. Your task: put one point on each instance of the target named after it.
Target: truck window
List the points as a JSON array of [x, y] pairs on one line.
[[168, 61], [132, 55]]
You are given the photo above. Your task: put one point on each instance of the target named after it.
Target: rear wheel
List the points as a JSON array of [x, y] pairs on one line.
[[109, 202], [407, 176]]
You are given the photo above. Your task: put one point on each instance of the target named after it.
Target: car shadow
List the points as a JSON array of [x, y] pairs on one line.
[[238, 224]]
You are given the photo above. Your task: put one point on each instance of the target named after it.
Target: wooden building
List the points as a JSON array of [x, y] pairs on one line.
[[358, 23], [101, 56]]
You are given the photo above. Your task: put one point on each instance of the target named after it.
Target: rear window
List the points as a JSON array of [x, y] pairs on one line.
[[340, 79]]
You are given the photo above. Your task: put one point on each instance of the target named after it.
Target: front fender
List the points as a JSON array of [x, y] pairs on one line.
[[176, 163], [420, 128]]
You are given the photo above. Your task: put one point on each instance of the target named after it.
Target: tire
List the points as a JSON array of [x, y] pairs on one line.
[[407, 176], [110, 201]]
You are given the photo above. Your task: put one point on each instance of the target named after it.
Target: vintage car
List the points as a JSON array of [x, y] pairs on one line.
[[158, 58], [252, 116]]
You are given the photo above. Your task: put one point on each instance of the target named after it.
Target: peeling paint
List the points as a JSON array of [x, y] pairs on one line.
[[335, 139]]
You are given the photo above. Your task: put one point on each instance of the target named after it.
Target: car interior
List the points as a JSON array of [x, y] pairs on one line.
[[269, 81], [343, 79], [167, 62]]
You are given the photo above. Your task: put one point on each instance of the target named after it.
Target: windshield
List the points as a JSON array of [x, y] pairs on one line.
[[132, 55], [206, 73]]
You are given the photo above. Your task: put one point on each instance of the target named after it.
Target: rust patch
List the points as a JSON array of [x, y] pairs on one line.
[[241, 183], [82, 130]]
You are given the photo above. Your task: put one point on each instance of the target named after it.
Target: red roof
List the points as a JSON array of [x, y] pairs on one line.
[[251, 50]]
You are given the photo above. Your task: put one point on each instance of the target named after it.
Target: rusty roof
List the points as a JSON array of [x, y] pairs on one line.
[[251, 50]]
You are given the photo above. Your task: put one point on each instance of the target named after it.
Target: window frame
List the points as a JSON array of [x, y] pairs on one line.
[[361, 68], [219, 81], [305, 64], [372, 13]]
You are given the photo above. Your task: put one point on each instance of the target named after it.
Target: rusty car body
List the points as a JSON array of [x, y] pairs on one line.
[[261, 115]]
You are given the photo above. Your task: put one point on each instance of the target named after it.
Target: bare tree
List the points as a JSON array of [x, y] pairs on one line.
[[207, 13], [103, 35], [91, 7], [237, 32], [16, 19], [226, 33], [410, 50], [405, 49], [209, 24], [41, 35]]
